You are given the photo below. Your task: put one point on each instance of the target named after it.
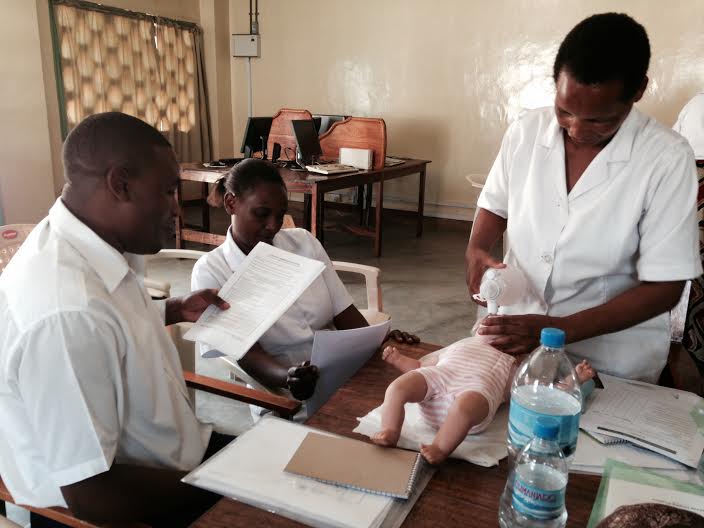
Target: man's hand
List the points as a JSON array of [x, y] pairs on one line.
[[301, 380], [517, 334], [477, 262], [403, 337], [190, 307]]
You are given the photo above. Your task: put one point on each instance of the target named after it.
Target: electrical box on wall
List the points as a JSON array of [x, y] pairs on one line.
[[245, 45]]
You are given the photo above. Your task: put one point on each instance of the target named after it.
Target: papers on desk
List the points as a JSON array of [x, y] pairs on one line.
[[655, 418], [623, 485], [266, 285], [251, 470], [339, 354]]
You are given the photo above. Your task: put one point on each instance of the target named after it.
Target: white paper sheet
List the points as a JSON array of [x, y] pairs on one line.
[[266, 285], [591, 456], [622, 493], [339, 354], [251, 470], [652, 417]]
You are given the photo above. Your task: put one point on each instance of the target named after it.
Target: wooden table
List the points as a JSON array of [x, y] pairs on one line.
[[460, 494], [300, 182]]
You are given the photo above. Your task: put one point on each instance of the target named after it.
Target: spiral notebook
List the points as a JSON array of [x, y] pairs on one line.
[[358, 465]]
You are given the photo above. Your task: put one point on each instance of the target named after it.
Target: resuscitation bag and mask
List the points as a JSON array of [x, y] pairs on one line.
[[502, 287]]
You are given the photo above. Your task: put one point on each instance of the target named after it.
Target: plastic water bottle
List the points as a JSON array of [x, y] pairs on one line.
[[545, 384], [537, 493], [502, 287]]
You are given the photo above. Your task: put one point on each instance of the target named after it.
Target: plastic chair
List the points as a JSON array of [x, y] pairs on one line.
[[11, 238]]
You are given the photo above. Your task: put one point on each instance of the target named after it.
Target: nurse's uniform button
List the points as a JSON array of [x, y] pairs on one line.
[[546, 258]]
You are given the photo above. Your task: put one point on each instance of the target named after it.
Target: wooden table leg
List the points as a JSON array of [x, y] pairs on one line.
[[316, 209], [360, 203], [368, 206], [206, 208], [321, 218], [421, 202], [307, 212], [378, 215], [179, 219]]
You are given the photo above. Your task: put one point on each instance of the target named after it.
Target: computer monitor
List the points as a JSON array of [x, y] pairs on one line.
[[326, 121], [256, 136], [317, 122], [307, 144]]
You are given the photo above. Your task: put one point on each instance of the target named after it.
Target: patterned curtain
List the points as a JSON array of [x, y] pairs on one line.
[[694, 325], [108, 59]]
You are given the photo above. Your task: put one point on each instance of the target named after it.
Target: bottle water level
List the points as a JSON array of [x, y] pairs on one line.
[[539, 497], [528, 402]]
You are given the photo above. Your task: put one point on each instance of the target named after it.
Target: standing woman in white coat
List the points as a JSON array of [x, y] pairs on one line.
[[598, 201]]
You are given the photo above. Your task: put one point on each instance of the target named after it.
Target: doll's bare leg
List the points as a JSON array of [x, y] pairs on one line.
[[468, 409], [407, 388], [403, 363], [585, 371]]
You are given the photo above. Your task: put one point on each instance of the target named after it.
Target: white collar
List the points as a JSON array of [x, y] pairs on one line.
[[232, 252], [110, 265]]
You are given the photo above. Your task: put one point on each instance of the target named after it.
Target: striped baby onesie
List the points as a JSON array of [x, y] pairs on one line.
[[470, 364]]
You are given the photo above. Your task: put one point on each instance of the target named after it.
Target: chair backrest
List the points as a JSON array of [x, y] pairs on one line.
[[678, 315], [356, 132], [282, 133], [11, 238]]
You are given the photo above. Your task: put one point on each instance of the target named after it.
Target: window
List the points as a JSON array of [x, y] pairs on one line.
[[109, 59]]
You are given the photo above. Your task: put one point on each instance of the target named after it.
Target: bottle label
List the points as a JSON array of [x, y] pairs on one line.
[[537, 503], [521, 422]]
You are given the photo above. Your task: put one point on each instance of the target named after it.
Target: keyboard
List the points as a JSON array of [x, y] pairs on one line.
[[331, 168]]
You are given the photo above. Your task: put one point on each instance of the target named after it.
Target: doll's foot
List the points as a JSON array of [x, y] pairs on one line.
[[433, 454], [403, 363], [386, 437], [585, 371]]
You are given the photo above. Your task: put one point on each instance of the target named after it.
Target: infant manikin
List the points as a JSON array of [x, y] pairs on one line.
[[459, 390]]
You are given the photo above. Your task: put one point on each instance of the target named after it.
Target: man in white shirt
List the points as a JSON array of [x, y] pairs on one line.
[[96, 416], [598, 201]]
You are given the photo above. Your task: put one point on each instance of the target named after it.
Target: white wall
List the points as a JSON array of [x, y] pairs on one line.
[[26, 180], [447, 76]]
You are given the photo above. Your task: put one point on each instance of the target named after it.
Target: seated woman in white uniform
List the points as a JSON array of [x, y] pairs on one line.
[[254, 193]]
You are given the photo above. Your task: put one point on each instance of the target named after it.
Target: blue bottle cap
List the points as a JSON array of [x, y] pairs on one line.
[[546, 428], [552, 337]]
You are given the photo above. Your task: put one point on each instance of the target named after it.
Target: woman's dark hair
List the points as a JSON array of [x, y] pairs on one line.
[[606, 47], [243, 177]]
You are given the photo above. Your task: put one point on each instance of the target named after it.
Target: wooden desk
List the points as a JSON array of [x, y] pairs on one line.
[[298, 182], [460, 494]]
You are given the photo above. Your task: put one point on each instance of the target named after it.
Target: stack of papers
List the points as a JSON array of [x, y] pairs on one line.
[[658, 419], [265, 285], [251, 470]]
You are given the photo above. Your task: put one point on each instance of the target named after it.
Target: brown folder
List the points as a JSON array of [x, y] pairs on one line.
[[355, 464]]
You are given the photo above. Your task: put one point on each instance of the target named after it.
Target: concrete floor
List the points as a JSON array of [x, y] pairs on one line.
[[422, 283]]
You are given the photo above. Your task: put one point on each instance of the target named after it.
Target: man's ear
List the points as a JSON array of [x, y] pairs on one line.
[[230, 203], [641, 90], [118, 182]]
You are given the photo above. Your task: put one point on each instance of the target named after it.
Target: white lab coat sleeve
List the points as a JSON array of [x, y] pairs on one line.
[[69, 377], [669, 237], [494, 195]]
